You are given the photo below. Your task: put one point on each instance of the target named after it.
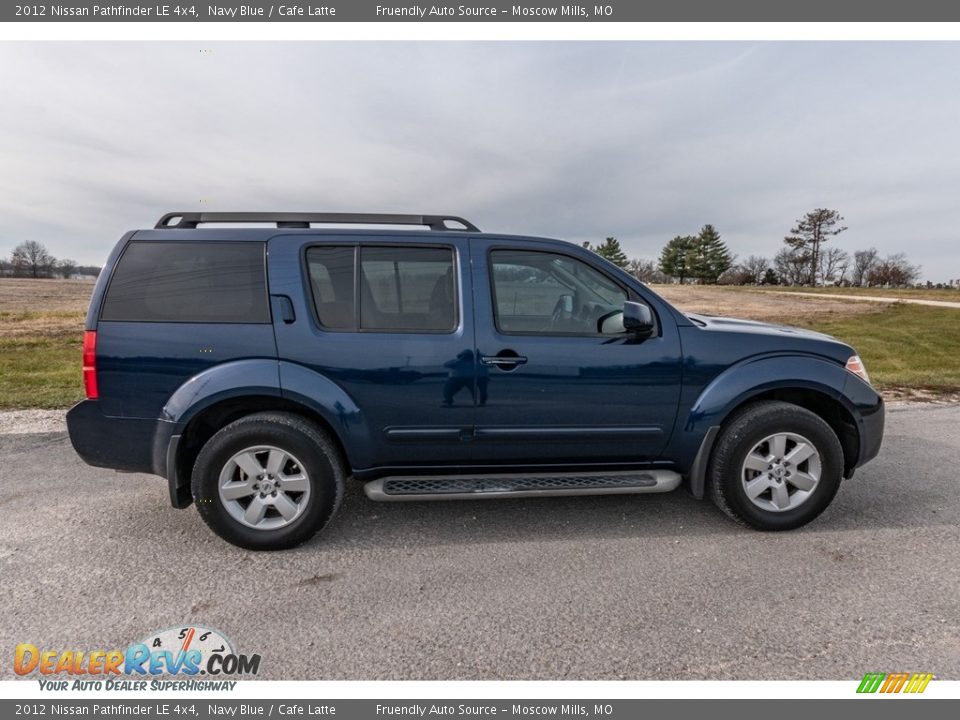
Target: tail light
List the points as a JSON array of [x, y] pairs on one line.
[[90, 364]]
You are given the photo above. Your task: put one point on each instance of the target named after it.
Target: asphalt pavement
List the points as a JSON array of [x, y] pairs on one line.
[[637, 587]]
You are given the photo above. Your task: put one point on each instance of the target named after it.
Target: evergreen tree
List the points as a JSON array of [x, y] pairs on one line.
[[611, 250], [770, 277], [676, 256], [711, 257]]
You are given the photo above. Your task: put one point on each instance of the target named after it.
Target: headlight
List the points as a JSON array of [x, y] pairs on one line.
[[856, 366]]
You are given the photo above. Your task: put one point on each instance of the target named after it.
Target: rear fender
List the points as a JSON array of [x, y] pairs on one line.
[[222, 382], [248, 378], [323, 396]]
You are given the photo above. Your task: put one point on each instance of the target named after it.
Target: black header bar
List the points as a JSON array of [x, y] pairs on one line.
[[487, 11]]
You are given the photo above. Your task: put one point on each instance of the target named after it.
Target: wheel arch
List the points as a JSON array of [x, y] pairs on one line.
[[808, 382]]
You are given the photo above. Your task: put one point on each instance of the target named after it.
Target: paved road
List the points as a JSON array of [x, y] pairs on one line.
[[870, 298], [577, 588]]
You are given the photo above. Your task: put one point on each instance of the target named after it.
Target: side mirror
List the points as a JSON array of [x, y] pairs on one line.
[[638, 319]]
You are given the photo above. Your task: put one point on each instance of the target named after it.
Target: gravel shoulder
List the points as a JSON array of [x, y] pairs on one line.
[[27, 422]]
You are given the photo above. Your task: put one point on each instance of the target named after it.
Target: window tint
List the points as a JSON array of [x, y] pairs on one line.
[[403, 288], [331, 281], [547, 293], [215, 282]]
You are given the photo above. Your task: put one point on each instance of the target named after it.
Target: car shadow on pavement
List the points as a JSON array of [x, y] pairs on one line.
[[908, 485]]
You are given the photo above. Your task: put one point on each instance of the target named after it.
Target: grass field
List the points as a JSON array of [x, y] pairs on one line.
[[899, 293], [41, 331], [911, 351]]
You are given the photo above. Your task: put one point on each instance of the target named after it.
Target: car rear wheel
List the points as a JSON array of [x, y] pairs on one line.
[[268, 481], [776, 466]]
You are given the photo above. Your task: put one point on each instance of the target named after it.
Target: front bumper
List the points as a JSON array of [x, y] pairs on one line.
[[872, 421]]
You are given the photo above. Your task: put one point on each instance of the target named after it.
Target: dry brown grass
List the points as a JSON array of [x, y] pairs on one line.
[[44, 296], [759, 305]]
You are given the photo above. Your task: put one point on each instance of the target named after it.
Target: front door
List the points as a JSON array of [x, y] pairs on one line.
[[558, 381]]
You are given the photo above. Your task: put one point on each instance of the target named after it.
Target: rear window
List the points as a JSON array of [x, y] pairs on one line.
[[203, 282]]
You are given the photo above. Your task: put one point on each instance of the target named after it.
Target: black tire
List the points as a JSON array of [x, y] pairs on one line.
[[740, 435], [310, 445]]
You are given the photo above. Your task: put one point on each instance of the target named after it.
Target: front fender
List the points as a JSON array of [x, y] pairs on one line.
[[697, 429], [755, 376]]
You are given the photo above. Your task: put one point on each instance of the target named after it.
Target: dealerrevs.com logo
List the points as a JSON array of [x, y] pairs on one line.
[[186, 652]]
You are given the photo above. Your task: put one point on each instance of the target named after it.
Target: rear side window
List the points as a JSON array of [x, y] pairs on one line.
[[203, 282], [399, 289], [407, 289], [331, 281]]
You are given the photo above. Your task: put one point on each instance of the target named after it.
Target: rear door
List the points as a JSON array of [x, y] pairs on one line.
[[383, 317], [553, 388]]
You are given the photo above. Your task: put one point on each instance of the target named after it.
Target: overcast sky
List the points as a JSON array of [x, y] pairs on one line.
[[643, 141]]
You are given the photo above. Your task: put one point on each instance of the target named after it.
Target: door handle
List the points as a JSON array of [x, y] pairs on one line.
[[283, 306], [502, 360]]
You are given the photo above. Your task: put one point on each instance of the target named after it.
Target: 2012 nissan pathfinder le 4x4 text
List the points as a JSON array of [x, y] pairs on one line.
[[257, 368]]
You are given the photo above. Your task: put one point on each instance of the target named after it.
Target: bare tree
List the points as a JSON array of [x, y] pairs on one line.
[[893, 271], [756, 267], [834, 263], [737, 275], [812, 230], [792, 266], [644, 270], [66, 268], [863, 262], [31, 259]]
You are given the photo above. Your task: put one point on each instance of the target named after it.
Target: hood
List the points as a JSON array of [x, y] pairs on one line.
[[716, 322], [782, 334]]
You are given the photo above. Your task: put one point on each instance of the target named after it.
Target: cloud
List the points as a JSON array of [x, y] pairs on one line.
[[573, 140]]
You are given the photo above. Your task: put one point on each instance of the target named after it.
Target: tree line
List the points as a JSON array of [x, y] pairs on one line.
[[31, 259], [806, 257]]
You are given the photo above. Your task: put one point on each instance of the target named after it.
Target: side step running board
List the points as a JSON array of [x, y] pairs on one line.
[[472, 487]]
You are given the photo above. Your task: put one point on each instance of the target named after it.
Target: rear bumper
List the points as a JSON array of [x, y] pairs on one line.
[[127, 444]]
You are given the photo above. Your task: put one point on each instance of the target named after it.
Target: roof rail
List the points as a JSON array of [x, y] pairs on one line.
[[181, 220]]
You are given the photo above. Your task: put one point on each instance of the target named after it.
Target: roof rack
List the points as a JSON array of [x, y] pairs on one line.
[[181, 220]]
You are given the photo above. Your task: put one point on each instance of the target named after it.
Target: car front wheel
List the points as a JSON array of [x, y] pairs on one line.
[[775, 466]]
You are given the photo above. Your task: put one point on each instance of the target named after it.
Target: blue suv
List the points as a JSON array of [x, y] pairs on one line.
[[258, 368]]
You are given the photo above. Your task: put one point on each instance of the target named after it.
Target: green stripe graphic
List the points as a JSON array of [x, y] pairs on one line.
[[871, 682]]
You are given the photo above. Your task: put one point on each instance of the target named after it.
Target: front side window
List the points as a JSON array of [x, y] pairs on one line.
[[547, 293], [202, 282]]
